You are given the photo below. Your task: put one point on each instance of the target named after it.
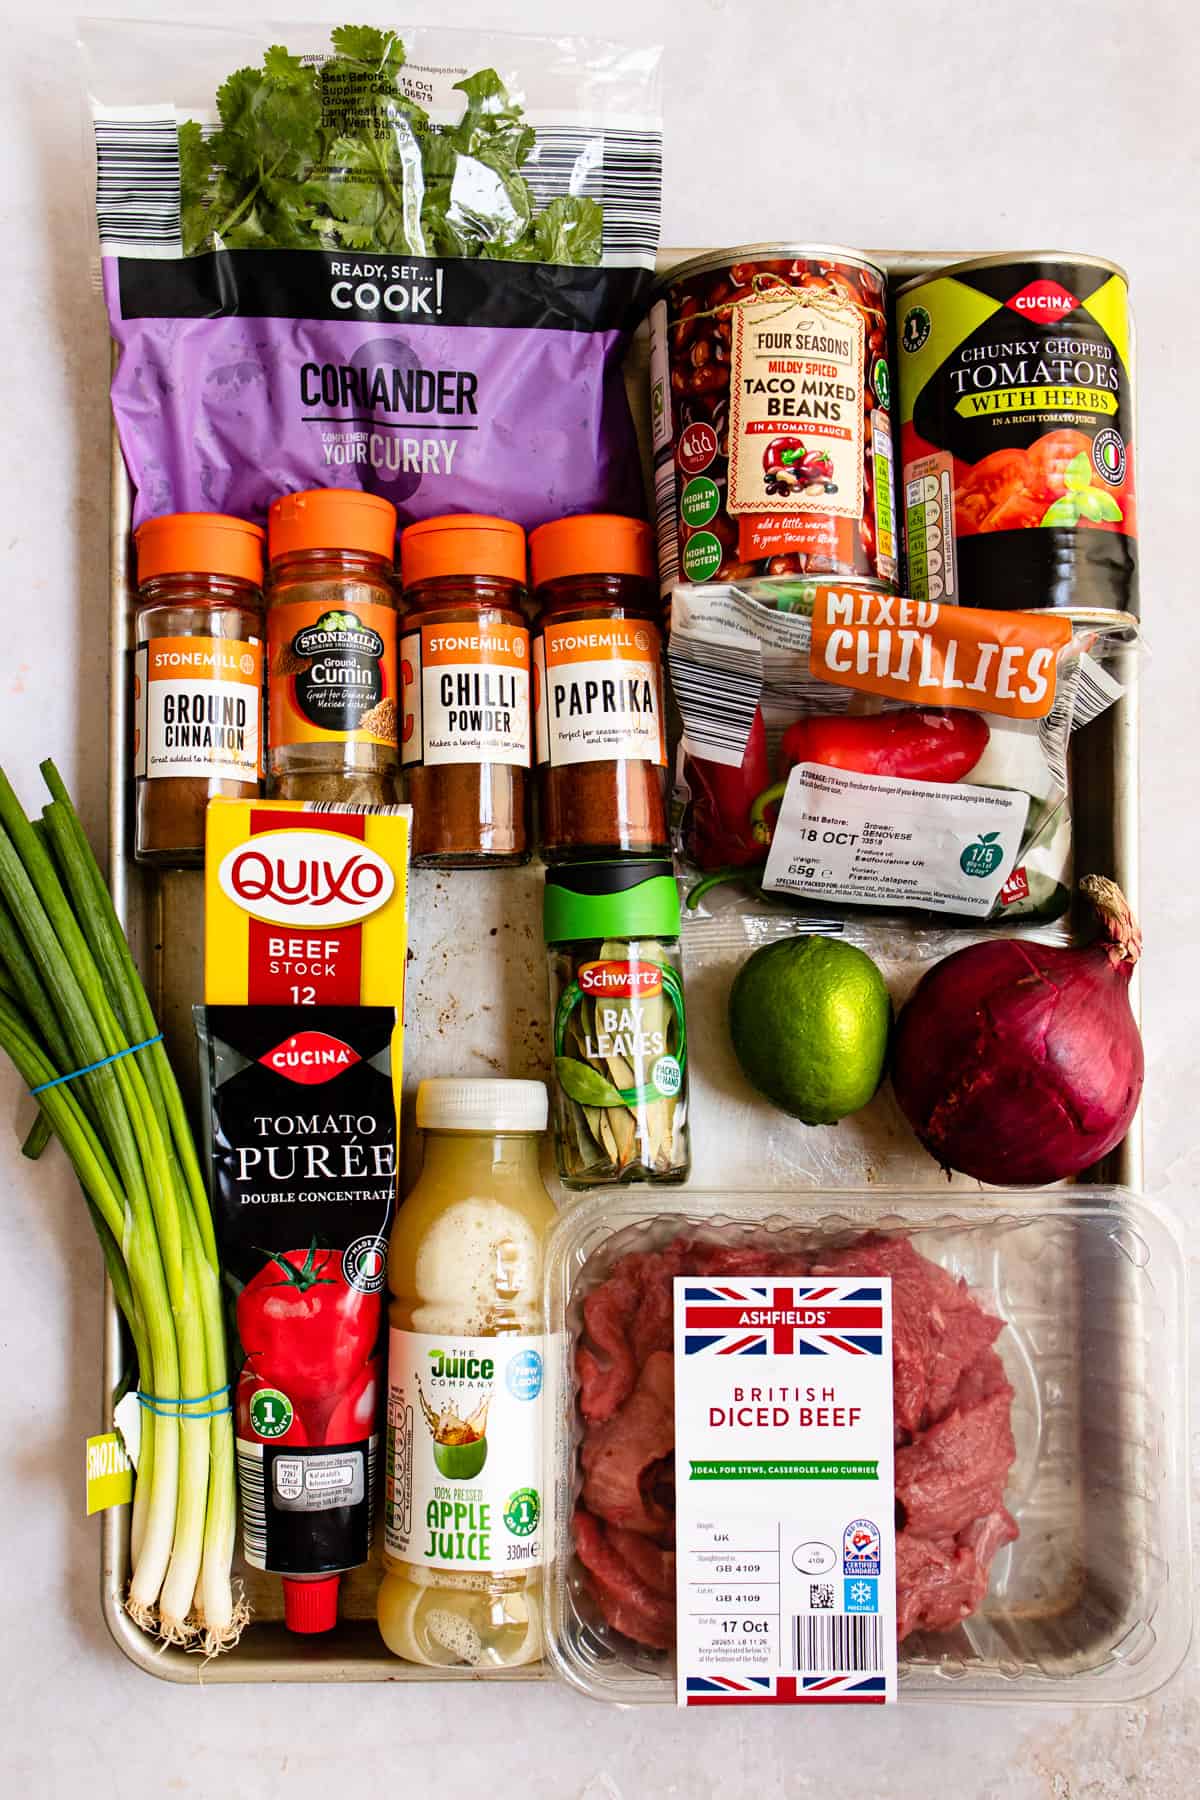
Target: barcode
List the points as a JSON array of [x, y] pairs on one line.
[[838, 1643], [1085, 690], [348, 806], [666, 525], [253, 1493], [718, 694], [1095, 691], [137, 182]]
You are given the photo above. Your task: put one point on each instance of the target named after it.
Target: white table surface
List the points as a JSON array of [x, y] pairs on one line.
[[932, 124]]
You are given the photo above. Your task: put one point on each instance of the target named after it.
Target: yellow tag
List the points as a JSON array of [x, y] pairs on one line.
[[109, 1473]]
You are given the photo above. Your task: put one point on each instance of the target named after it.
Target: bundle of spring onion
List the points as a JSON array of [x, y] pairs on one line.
[[70, 997]]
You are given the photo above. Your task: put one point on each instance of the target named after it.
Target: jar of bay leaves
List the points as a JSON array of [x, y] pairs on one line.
[[618, 1023]]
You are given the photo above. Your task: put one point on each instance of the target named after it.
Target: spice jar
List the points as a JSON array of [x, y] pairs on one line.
[[197, 677], [466, 738], [331, 642], [618, 1024], [597, 653]]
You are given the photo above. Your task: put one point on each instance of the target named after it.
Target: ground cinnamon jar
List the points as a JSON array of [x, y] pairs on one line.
[[197, 677], [601, 734], [331, 642], [466, 737]]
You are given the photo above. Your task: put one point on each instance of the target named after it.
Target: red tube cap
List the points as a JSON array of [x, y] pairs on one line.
[[311, 1605]]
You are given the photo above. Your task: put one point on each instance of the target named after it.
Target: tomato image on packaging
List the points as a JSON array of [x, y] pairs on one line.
[[1016, 406]]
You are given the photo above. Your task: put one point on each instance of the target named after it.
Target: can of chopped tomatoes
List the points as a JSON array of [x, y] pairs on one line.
[[1016, 433], [770, 408]]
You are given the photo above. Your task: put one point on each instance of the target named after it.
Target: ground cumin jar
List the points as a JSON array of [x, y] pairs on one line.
[[598, 690], [197, 677], [466, 740], [331, 642]]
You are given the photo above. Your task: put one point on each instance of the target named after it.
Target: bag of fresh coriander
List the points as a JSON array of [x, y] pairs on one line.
[[403, 260]]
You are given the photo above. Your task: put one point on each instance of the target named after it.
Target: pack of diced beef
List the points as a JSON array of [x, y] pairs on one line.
[[898, 1377]]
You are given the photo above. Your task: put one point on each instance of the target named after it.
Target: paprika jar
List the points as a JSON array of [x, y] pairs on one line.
[[198, 632], [598, 686], [466, 738], [331, 639]]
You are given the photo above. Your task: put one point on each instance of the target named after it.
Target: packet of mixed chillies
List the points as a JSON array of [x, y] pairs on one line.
[[842, 745]]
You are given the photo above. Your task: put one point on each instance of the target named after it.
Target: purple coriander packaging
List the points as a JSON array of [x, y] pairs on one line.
[[406, 261]]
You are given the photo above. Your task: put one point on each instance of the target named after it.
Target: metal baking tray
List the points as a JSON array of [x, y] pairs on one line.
[[476, 1006]]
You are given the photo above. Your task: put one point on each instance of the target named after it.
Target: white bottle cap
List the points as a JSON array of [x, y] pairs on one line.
[[448, 1103]]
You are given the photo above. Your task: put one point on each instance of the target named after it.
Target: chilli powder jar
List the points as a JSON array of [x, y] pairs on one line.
[[466, 731]]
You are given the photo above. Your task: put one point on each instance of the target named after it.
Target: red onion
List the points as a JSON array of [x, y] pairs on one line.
[[1019, 1063]]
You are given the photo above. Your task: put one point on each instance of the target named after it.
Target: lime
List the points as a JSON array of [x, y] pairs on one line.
[[809, 1018]]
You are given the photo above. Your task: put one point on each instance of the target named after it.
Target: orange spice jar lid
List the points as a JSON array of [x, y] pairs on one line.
[[591, 544], [462, 544], [331, 519], [200, 544]]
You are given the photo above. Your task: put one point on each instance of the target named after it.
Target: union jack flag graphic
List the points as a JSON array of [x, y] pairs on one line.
[[786, 1690], [796, 1318]]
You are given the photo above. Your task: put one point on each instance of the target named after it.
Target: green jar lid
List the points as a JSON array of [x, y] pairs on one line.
[[611, 900]]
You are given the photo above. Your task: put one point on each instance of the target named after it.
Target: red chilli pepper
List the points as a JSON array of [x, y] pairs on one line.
[[303, 1326], [722, 834], [915, 745]]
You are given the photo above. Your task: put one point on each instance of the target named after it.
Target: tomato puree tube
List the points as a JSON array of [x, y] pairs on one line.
[[301, 1134]]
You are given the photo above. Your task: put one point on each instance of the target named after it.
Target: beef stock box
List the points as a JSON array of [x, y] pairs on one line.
[[306, 904], [865, 1447]]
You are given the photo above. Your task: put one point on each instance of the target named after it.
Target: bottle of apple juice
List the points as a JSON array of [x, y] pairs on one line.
[[464, 1507]]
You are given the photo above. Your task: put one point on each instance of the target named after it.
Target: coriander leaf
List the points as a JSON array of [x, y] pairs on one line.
[[492, 124], [369, 194], [368, 45], [569, 230], [490, 207], [195, 179]]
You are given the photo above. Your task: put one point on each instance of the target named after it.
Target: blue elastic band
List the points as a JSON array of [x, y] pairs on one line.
[[173, 1409], [102, 1064]]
